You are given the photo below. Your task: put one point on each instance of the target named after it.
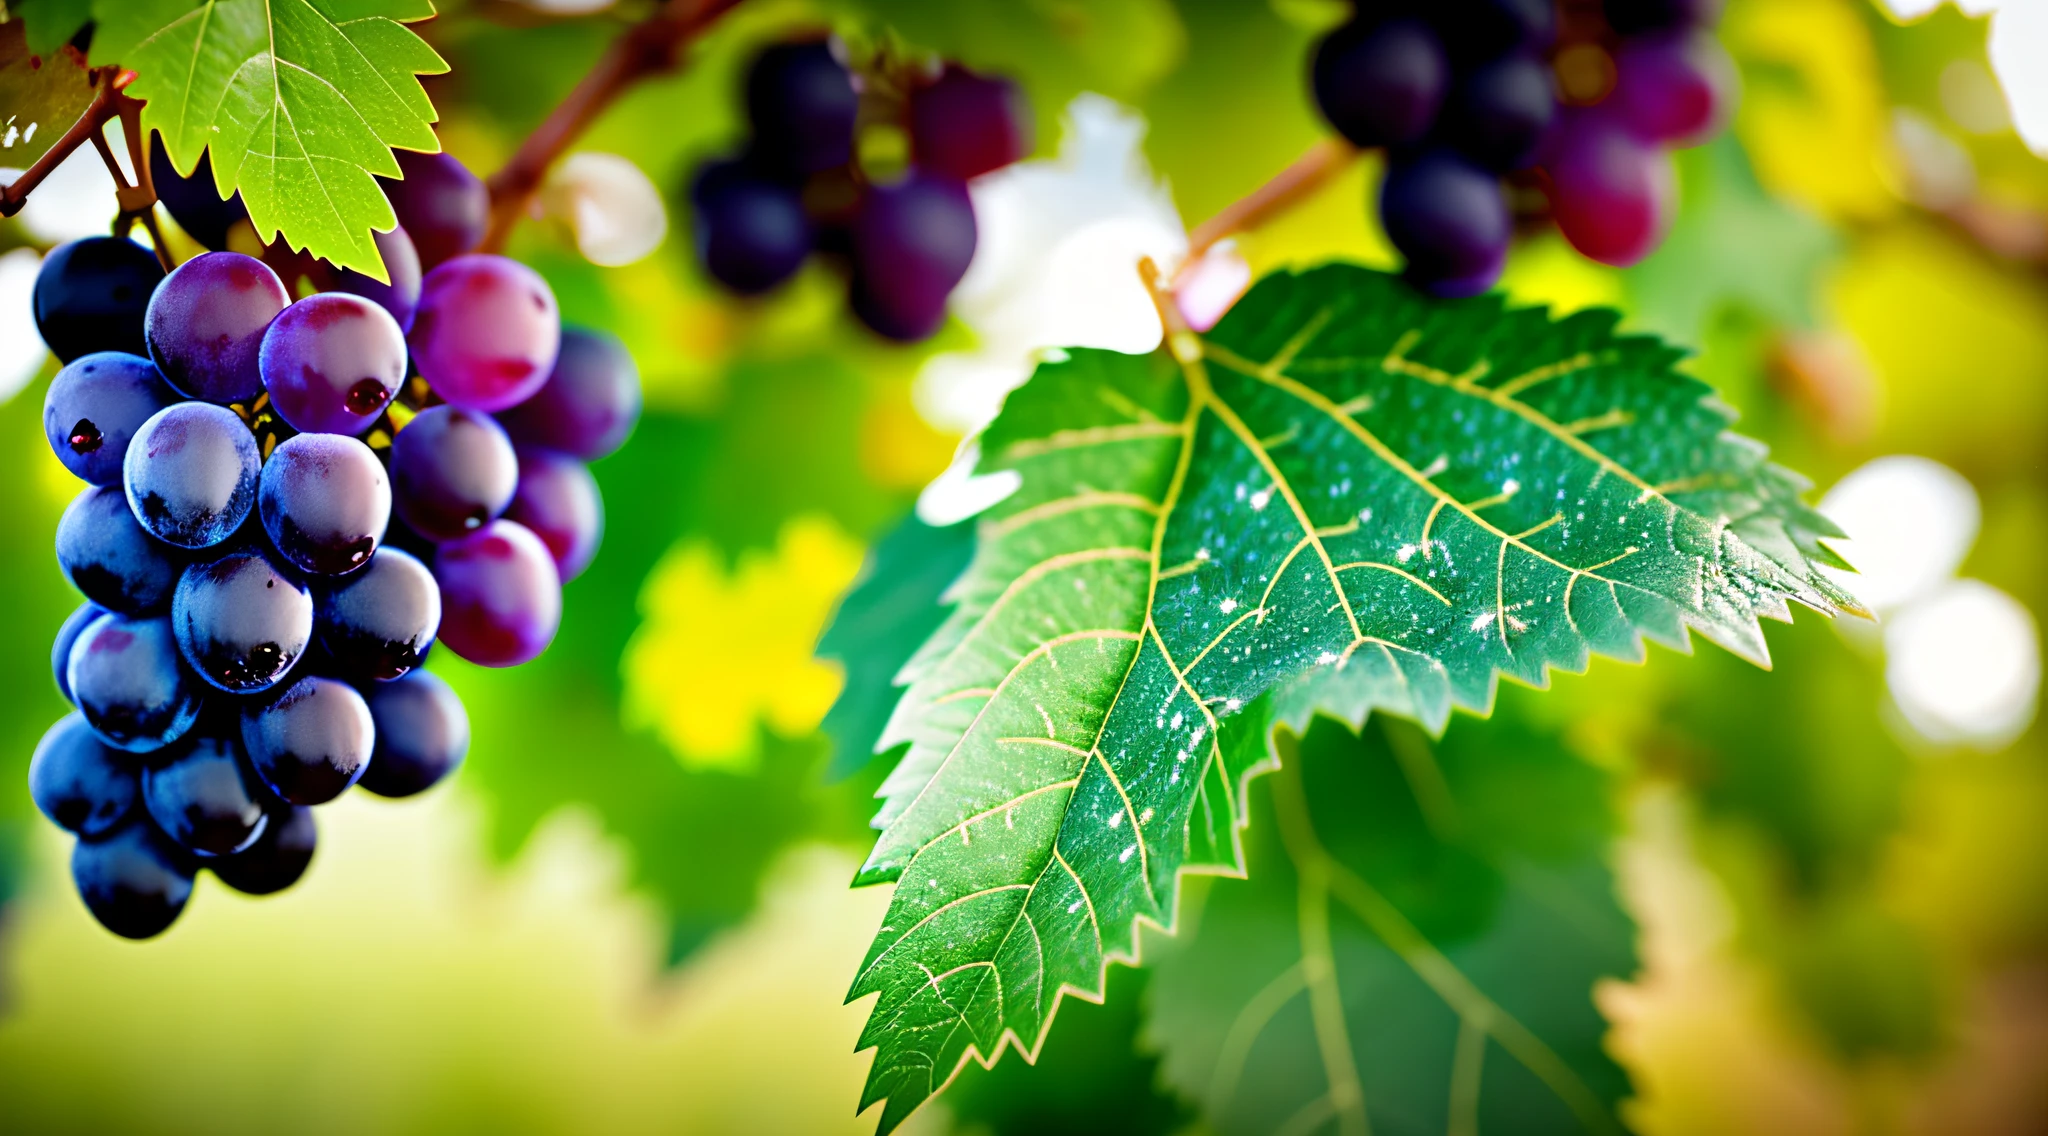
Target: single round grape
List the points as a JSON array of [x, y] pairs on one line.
[[590, 401], [332, 362], [128, 682], [441, 206], [1633, 17], [325, 501], [1498, 113], [558, 499], [501, 598], [134, 880], [190, 474], [912, 242], [1380, 84], [966, 125], [206, 322], [401, 295], [194, 202], [311, 742], [1674, 88], [486, 333], [95, 405], [378, 623], [422, 734], [1450, 219], [240, 621], [82, 784], [452, 470], [206, 798], [105, 554], [802, 105], [751, 230], [90, 295], [277, 859], [1612, 195], [67, 635]]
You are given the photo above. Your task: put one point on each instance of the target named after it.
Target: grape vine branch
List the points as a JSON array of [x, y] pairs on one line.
[[109, 102]]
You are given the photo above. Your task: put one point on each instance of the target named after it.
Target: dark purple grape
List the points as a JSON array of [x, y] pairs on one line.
[[1497, 114], [1673, 89], [190, 474], [331, 362], [486, 333], [589, 403], [105, 554], [67, 635], [1473, 31], [558, 499], [422, 734], [311, 742], [324, 500], [501, 598], [134, 880], [277, 859], [911, 243], [802, 105], [240, 621], [206, 798], [206, 323], [1613, 195], [1380, 84], [95, 405], [81, 783], [378, 623], [90, 295], [966, 125], [1633, 17], [128, 682], [194, 202], [401, 296], [1450, 219], [452, 470], [441, 205], [751, 230]]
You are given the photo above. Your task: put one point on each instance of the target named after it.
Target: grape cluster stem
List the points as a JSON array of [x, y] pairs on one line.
[[1308, 173], [138, 201]]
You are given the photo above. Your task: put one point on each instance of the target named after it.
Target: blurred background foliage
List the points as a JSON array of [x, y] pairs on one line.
[[628, 913]]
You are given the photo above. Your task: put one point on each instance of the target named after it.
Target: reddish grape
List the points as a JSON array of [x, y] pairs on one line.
[[452, 470], [486, 333], [206, 321], [966, 125], [558, 499], [1675, 89], [325, 501], [441, 206], [1380, 84], [590, 401], [1612, 195], [501, 598], [331, 363]]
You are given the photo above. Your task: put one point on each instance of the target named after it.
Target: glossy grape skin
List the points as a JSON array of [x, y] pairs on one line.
[[1381, 84], [751, 230], [401, 296], [966, 125], [442, 207], [135, 881], [589, 403], [1633, 17], [130, 684], [331, 363], [310, 743], [67, 635], [193, 201], [190, 474], [240, 621], [206, 798], [82, 784], [206, 321], [379, 623], [1497, 115], [452, 470], [95, 405], [325, 502], [501, 598], [487, 331], [105, 553], [90, 295], [422, 735], [559, 500], [1675, 89], [1450, 219], [278, 858], [912, 242], [802, 106], [1612, 195]]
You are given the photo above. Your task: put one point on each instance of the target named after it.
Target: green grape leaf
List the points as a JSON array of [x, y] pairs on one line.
[[41, 95], [1367, 497], [1416, 947], [300, 102], [50, 24]]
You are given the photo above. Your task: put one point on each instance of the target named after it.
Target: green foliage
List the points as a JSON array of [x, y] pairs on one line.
[[50, 24], [41, 94], [1347, 497]]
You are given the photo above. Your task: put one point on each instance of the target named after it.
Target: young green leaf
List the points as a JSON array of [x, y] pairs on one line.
[[1347, 494], [41, 95]]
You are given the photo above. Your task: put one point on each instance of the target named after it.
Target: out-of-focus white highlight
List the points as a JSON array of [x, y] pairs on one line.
[[77, 199], [960, 493], [1910, 522], [612, 205], [21, 348], [1964, 665]]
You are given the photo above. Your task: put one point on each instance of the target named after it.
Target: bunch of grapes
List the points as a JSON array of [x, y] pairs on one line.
[[804, 182], [256, 617], [1579, 99]]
